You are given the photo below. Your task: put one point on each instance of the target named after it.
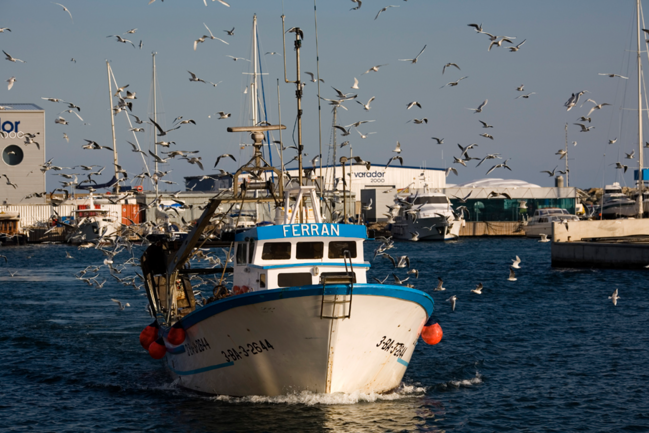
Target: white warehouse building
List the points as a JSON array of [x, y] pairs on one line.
[[391, 180]]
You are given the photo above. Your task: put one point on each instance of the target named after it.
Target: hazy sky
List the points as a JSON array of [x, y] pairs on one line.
[[567, 44]]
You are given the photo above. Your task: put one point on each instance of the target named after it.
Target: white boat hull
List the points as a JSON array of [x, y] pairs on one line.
[[275, 342], [439, 231]]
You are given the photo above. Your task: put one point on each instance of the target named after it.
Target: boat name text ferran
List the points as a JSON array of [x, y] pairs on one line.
[[300, 230]]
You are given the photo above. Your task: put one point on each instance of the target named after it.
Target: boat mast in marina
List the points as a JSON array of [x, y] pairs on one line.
[[155, 118], [112, 124], [640, 148]]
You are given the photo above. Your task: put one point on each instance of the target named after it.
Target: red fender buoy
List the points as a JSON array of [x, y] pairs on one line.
[[432, 334], [236, 290], [176, 335], [149, 335], [157, 349]]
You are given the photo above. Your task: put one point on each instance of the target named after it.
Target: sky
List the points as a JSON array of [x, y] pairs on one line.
[[567, 44]]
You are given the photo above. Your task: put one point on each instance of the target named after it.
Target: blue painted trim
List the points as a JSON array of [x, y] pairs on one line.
[[310, 230], [176, 350], [297, 265], [399, 292], [380, 167], [402, 362], [202, 370]]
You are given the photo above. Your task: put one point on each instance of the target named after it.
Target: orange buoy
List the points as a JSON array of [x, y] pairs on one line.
[[432, 334], [236, 290], [149, 335], [244, 289], [157, 349], [176, 335]]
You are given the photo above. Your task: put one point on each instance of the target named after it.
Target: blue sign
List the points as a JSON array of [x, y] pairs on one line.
[[304, 230]]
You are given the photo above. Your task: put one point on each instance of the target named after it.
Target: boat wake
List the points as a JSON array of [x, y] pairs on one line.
[[307, 398], [451, 384]]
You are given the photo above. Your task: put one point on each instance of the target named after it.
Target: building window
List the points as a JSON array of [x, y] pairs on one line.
[[12, 155], [295, 279], [337, 249], [309, 250], [276, 251]]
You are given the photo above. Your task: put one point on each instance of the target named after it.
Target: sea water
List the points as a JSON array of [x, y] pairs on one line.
[[548, 352]]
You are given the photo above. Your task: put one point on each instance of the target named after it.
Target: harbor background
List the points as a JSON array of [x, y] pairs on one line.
[[548, 352]]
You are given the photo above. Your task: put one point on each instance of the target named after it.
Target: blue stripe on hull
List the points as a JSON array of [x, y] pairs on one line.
[[402, 362], [398, 292]]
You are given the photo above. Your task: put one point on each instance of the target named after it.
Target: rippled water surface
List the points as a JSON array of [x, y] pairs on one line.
[[548, 352]]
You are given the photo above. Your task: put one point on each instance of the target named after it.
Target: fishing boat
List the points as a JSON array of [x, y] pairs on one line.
[[300, 315], [426, 216], [616, 204], [542, 220]]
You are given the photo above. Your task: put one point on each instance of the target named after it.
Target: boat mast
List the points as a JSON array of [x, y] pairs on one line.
[[567, 171], [112, 124], [640, 154], [253, 85], [298, 95], [155, 118]]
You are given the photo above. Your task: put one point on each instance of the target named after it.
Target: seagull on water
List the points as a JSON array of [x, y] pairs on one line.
[[512, 275], [544, 238]]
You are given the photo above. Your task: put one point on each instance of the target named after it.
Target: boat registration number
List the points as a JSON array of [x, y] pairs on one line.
[[391, 346], [250, 349], [196, 346]]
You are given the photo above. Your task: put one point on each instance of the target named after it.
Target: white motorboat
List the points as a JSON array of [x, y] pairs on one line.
[[542, 220], [616, 204], [426, 216], [93, 221]]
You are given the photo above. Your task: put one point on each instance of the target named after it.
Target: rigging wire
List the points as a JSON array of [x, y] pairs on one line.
[[317, 55]]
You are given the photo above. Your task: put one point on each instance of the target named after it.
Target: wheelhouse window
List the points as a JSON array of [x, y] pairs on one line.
[[242, 253], [295, 279], [276, 251], [251, 251], [337, 249], [309, 250]]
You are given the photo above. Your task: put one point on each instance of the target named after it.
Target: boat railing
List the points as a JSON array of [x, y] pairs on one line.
[[332, 301]]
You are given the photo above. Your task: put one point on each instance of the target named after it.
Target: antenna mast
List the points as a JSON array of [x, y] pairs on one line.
[[567, 171], [112, 124], [155, 118], [640, 149]]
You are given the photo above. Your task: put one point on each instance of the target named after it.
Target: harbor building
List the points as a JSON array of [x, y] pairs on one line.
[[22, 144]]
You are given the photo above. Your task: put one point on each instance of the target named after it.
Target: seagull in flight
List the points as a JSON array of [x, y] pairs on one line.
[[615, 75], [480, 107], [512, 275], [385, 9], [596, 107], [65, 9], [448, 65], [440, 285], [11, 82], [372, 69], [412, 104], [478, 289], [452, 300], [238, 58], [313, 78], [122, 40], [12, 59], [120, 305], [417, 57], [614, 297], [517, 47], [367, 106], [194, 77], [454, 83], [550, 173], [526, 96], [584, 128], [516, 263], [478, 27], [438, 140], [355, 86], [503, 165], [485, 125], [214, 37], [225, 155]]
